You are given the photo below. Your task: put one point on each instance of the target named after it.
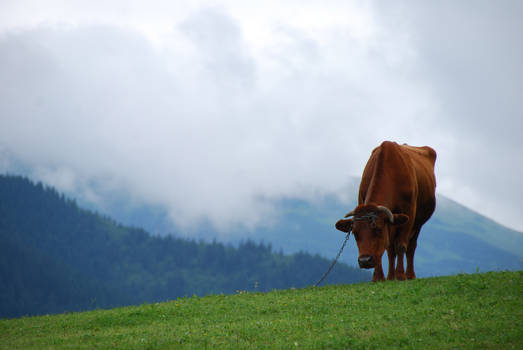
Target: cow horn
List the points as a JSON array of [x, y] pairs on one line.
[[386, 211], [350, 214]]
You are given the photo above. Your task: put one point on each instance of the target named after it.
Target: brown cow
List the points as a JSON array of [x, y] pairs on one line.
[[396, 197]]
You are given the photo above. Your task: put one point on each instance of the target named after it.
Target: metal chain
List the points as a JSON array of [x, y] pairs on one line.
[[335, 260]]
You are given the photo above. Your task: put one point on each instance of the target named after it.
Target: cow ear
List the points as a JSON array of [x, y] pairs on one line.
[[344, 225], [400, 219]]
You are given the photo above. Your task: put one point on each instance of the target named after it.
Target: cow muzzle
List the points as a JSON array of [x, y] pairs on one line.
[[366, 262]]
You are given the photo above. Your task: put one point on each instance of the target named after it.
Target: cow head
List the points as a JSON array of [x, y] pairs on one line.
[[371, 226]]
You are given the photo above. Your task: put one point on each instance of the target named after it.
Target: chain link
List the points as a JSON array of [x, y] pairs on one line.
[[334, 261]]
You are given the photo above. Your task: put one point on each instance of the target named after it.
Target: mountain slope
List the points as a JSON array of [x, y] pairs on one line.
[[452, 216], [56, 257], [456, 239]]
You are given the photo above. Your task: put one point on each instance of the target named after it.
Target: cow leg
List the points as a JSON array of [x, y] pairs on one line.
[[411, 249], [378, 273], [400, 271], [391, 254]]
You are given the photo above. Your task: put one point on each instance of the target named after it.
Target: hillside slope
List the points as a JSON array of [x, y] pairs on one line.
[[56, 257], [479, 311]]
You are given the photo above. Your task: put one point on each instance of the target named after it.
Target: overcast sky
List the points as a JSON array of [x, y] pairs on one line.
[[212, 108]]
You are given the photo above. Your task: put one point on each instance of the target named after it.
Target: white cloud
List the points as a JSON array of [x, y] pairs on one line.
[[211, 110], [471, 54]]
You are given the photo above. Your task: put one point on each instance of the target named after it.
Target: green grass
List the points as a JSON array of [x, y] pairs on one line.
[[480, 311]]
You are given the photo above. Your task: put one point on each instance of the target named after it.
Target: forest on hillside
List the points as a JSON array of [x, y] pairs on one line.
[[57, 257]]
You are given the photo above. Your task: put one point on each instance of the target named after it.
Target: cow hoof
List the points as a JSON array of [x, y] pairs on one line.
[[401, 277]]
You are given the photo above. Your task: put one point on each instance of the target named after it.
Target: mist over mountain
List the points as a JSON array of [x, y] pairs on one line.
[[456, 239]]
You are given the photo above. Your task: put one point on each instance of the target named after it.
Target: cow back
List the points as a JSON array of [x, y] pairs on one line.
[[401, 177]]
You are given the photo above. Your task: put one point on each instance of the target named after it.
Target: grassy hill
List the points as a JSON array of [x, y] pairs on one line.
[[479, 311]]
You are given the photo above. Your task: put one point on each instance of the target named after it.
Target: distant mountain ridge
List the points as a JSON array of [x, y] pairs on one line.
[[454, 240]]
